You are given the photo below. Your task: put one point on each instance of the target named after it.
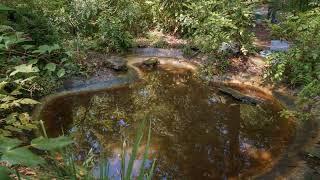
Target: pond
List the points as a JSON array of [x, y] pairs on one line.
[[197, 131]]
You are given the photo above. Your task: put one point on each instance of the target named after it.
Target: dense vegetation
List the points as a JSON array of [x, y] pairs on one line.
[[41, 43], [300, 66]]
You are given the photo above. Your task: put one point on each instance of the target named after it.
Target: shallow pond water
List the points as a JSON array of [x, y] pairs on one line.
[[197, 132]]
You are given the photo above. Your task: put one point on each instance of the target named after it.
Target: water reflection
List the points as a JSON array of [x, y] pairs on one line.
[[196, 131]]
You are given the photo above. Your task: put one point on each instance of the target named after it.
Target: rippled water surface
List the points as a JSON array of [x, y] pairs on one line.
[[197, 132]]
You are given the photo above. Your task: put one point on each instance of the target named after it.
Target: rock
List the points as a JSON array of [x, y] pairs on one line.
[[240, 96], [279, 46], [265, 53], [152, 62], [116, 63]]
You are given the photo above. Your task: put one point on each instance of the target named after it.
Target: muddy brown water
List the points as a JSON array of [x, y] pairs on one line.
[[197, 132]]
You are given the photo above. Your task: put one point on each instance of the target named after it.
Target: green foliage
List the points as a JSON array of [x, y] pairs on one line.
[[294, 5], [167, 14], [14, 155], [311, 90], [4, 173], [111, 25], [97, 24], [211, 23], [5, 8], [22, 64], [50, 144], [299, 66], [113, 36]]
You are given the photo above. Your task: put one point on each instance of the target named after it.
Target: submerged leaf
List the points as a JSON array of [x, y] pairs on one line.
[[51, 143]]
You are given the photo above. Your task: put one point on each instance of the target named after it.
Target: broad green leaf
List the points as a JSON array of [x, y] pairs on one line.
[[49, 144], [28, 101], [61, 72], [24, 68], [45, 48], [33, 61], [51, 67], [64, 60], [5, 8], [4, 173], [14, 128], [54, 47], [4, 28], [16, 92], [21, 156], [27, 47], [8, 143], [8, 98], [42, 49], [69, 53]]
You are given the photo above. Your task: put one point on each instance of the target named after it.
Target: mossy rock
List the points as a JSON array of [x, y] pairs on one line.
[[116, 63], [152, 62]]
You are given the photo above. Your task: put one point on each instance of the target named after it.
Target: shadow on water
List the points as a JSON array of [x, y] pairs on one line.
[[197, 132]]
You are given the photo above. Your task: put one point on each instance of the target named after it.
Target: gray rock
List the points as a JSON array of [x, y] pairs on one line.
[[116, 63], [279, 46], [152, 62], [240, 96]]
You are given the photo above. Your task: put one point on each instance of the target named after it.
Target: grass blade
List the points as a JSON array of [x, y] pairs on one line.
[[151, 170], [145, 156], [123, 160], [135, 150]]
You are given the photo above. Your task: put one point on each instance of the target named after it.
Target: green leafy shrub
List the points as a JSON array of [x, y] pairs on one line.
[[216, 22], [300, 66], [98, 24], [28, 20], [112, 36], [22, 65], [13, 154]]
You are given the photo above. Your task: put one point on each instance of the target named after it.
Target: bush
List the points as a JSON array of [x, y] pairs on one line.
[[112, 37], [211, 23], [301, 65]]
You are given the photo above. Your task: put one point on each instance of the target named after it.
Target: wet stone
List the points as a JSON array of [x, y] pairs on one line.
[[116, 63], [240, 96], [151, 63]]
